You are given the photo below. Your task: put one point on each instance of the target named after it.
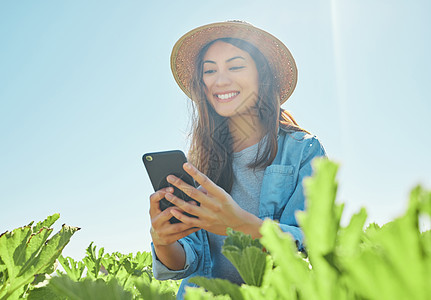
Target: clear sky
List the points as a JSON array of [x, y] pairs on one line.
[[86, 89]]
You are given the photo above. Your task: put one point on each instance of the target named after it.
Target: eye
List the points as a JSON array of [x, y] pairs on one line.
[[236, 68], [209, 71]]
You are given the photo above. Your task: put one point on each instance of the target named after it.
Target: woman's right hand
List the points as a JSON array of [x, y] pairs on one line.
[[163, 233]]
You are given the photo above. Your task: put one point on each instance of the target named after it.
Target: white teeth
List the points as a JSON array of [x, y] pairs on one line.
[[226, 96]]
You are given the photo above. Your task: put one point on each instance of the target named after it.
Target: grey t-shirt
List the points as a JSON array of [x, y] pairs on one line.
[[246, 192]]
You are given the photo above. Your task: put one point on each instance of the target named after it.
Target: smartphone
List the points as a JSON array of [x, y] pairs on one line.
[[161, 164]]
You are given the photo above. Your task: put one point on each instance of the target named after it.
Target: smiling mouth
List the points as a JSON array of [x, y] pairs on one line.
[[226, 96]]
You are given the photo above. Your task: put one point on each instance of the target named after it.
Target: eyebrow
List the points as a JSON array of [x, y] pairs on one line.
[[228, 60], [235, 57]]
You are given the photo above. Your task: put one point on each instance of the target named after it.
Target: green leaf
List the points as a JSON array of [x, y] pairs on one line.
[[201, 294], [74, 269], [44, 293], [218, 286], [25, 254], [246, 255], [320, 223], [88, 289], [420, 200], [251, 292], [350, 238], [93, 261], [391, 265], [154, 290], [293, 272], [33, 250], [48, 222], [13, 250]]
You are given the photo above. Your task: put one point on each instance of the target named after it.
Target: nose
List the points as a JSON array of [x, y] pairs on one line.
[[222, 79]]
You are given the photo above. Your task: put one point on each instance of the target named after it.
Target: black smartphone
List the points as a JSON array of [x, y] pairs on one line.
[[161, 164]]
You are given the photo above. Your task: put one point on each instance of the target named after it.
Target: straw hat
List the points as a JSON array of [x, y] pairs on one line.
[[279, 57]]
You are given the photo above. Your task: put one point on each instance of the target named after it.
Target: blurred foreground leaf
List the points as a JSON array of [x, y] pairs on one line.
[[89, 289], [392, 261]]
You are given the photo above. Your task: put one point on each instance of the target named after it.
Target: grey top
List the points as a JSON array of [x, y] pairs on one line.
[[246, 192]]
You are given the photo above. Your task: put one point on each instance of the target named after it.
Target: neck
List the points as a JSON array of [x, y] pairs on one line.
[[245, 131]]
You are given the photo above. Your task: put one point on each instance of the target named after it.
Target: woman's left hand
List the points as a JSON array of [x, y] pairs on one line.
[[217, 210]]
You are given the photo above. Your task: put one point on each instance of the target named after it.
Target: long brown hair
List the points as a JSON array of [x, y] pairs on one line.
[[211, 141]]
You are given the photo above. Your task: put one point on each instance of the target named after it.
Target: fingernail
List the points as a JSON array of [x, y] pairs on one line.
[[188, 166]]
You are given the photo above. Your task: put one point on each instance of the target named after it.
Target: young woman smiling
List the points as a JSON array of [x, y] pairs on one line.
[[248, 155]]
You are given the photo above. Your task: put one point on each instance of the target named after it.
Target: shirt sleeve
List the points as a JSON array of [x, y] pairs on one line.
[[193, 248], [288, 222]]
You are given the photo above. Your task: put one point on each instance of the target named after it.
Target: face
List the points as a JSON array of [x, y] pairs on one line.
[[231, 79]]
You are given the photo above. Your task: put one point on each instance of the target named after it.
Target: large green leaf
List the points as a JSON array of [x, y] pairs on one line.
[[44, 293], [25, 253], [251, 292], [320, 223], [388, 262], [88, 289], [393, 262], [48, 222], [293, 272], [201, 294], [154, 290], [350, 237], [247, 255], [218, 286], [13, 250]]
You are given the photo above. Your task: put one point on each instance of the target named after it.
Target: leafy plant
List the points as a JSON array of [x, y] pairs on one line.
[[88, 289], [74, 269], [107, 276], [388, 262], [26, 252]]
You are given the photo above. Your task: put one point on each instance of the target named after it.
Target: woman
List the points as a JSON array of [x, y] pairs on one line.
[[248, 155]]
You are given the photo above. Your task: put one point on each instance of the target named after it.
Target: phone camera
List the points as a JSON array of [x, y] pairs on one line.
[[149, 158]]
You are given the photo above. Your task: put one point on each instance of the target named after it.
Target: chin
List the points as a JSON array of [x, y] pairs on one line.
[[225, 111]]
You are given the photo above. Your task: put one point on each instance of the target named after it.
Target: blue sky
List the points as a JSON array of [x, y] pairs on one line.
[[86, 89]]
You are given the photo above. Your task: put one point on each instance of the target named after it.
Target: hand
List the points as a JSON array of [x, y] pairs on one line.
[[217, 210], [163, 233]]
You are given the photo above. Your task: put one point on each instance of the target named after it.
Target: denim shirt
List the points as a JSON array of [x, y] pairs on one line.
[[280, 197]]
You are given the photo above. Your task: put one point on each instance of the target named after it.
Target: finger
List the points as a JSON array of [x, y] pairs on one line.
[[178, 228], [189, 231], [189, 221], [202, 179], [168, 231], [189, 190], [164, 233], [202, 189], [169, 239], [155, 199], [161, 220], [161, 223], [183, 205], [154, 202]]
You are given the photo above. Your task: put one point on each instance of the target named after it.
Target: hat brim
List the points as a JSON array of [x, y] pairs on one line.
[[279, 57]]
